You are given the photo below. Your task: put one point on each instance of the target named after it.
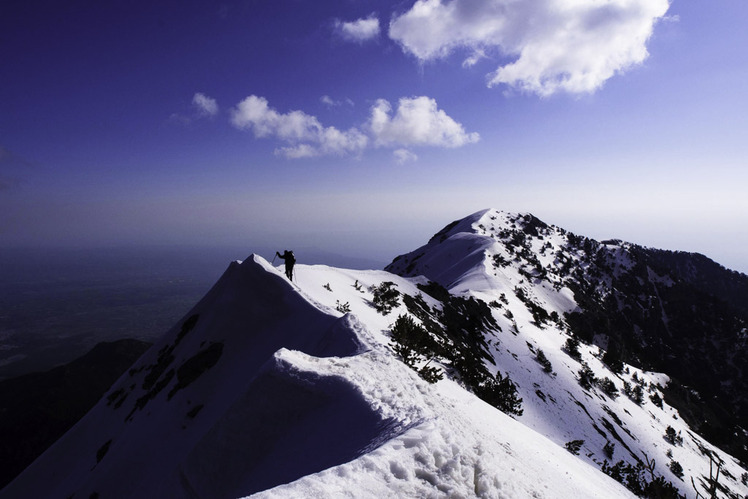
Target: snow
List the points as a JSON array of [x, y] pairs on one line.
[[308, 400], [453, 445]]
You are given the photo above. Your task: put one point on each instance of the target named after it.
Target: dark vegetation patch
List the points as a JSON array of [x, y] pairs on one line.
[[103, 450], [187, 326], [141, 402], [574, 446], [541, 359], [166, 356], [194, 411], [540, 316], [117, 397], [196, 365], [641, 479], [601, 432], [673, 312], [618, 421], [584, 408], [385, 297], [160, 374], [454, 335], [612, 429], [411, 342]]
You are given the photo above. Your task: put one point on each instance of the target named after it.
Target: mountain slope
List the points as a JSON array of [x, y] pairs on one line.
[[38, 408], [627, 303], [297, 388], [293, 390]]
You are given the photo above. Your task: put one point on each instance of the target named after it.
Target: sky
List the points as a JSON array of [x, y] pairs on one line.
[[362, 127]]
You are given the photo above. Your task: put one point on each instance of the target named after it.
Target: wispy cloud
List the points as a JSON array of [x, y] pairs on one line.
[[403, 156], [202, 107], [205, 106], [416, 122], [360, 30], [330, 102], [556, 45]]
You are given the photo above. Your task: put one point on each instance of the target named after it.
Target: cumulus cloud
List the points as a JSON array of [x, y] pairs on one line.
[[556, 45], [417, 122], [359, 30], [304, 133], [206, 106]]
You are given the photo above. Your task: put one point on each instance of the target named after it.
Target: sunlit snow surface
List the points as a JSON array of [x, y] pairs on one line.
[[306, 401]]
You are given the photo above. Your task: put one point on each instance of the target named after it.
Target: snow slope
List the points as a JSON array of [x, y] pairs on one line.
[[285, 389], [298, 390], [500, 268]]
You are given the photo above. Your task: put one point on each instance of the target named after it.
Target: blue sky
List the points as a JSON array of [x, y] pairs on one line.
[[362, 127]]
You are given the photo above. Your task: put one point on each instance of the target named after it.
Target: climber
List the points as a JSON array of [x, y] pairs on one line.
[[290, 260]]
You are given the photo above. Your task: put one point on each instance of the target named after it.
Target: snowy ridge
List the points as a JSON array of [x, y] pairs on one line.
[[525, 272], [283, 389], [179, 403], [270, 414]]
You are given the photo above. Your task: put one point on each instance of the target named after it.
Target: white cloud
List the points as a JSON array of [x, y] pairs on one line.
[[417, 122], [360, 30], [305, 134], [557, 45], [403, 156], [206, 106], [474, 58], [298, 151]]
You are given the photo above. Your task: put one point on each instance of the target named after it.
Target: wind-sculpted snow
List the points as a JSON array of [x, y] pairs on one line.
[[447, 443], [452, 257], [184, 397], [289, 423]]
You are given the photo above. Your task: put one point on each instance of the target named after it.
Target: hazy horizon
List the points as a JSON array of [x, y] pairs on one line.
[[361, 128]]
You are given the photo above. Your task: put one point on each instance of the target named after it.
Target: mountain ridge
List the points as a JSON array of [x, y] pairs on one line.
[[706, 302], [186, 416]]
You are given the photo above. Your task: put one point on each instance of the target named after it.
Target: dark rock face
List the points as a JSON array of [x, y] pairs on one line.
[[36, 409]]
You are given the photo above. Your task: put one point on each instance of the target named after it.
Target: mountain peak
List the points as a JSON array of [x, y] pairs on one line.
[[461, 256]]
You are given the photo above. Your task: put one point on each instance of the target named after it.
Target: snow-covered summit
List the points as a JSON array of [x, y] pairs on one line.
[[293, 389]]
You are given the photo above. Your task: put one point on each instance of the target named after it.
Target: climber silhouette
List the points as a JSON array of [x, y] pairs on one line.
[[290, 260]]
